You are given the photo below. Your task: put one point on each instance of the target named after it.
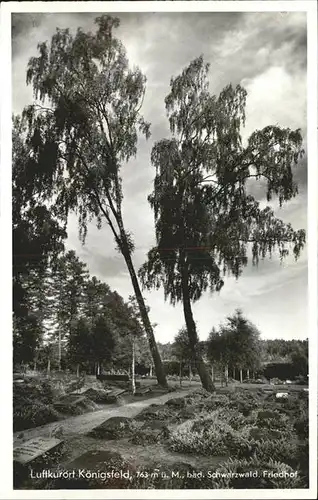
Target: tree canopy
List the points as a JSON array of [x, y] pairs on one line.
[[207, 221], [235, 343], [83, 127]]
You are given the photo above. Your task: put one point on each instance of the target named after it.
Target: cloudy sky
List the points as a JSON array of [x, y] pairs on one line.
[[266, 53]]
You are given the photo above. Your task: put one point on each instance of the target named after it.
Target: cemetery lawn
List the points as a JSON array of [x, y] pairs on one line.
[[182, 439]]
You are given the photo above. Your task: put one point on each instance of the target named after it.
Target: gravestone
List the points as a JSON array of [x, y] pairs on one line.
[[282, 395], [97, 395], [34, 454], [35, 448], [141, 392], [71, 404], [117, 392], [112, 428]]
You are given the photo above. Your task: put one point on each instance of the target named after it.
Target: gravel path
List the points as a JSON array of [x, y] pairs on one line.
[[81, 424]]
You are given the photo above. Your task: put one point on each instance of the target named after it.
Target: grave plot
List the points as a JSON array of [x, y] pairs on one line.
[[142, 391], [35, 454], [74, 404], [113, 428], [96, 469]]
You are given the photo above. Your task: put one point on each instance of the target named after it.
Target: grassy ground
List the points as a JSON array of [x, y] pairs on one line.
[[195, 431]]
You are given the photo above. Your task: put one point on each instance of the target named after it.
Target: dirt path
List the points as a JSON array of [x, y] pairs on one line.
[[81, 424]]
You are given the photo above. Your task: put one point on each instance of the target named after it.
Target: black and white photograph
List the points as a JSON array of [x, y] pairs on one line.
[[160, 322]]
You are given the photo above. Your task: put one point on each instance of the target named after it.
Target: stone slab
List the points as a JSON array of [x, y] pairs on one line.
[[33, 449], [117, 392], [282, 395], [71, 399], [141, 392]]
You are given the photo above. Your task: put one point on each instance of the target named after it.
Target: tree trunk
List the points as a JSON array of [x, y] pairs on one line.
[[226, 373], [161, 377], [60, 349], [34, 368], [48, 367], [241, 375], [77, 371], [150, 372], [180, 373], [190, 373], [248, 374], [205, 378], [234, 373], [98, 368], [212, 373], [133, 382]]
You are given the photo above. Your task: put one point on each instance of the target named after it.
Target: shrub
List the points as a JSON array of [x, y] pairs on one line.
[[245, 401], [187, 439], [281, 450], [210, 435], [302, 460], [151, 432], [210, 402], [229, 415], [301, 426], [33, 415], [156, 412], [113, 428], [274, 420]]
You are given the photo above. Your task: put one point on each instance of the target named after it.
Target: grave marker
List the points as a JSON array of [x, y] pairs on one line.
[[282, 395], [141, 392], [117, 392], [71, 399], [33, 449]]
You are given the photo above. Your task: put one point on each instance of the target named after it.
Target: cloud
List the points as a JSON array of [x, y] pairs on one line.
[[265, 52]]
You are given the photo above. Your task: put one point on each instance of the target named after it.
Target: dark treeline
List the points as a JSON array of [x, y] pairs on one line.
[[77, 321]]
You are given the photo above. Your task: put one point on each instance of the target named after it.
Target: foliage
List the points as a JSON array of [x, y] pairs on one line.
[[83, 127], [207, 435], [37, 238], [245, 401], [155, 412], [32, 405], [33, 415], [285, 370], [282, 449], [181, 346], [236, 343], [206, 220], [276, 350]]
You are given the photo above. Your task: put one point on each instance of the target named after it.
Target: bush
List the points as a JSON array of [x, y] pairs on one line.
[[151, 432], [230, 416], [245, 401], [281, 450], [301, 426], [33, 415], [156, 412], [113, 428], [302, 460], [207, 401], [274, 420], [210, 435]]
